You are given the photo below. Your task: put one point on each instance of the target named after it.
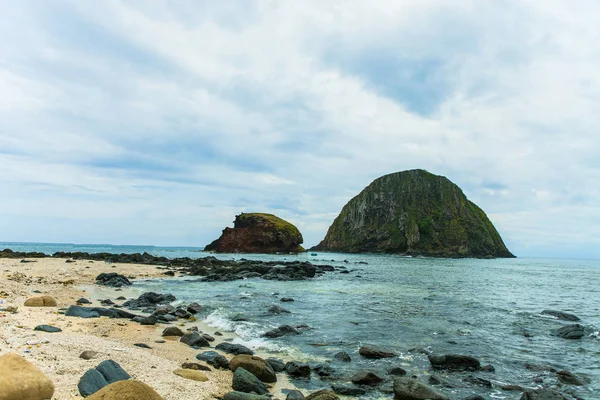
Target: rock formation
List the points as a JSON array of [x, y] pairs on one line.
[[258, 233], [414, 212]]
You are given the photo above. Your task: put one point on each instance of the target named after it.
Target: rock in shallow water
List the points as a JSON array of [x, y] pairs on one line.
[[347, 390], [342, 356], [454, 362], [574, 331], [281, 331], [542, 394], [297, 369], [23, 380], [375, 352], [412, 389], [366, 378]]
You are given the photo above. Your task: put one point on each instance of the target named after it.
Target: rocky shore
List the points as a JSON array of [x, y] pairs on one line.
[[113, 340]]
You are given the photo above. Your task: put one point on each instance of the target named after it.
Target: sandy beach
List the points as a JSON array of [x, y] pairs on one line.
[[57, 354]]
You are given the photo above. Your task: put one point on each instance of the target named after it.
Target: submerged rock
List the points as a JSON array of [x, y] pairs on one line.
[[366, 378], [342, 356], [414, 212], [281, 331], [258, 233], [561, 315], [542, 394]]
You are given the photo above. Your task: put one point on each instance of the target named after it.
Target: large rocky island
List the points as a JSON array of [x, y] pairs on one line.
[[258, 233], [414, 212]]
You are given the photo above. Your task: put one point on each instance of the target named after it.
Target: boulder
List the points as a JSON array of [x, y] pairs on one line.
[[244, 381], [276, 363], [411, 389], [91, 381], [22, 380], [281, 331], [574, 331], [297, 369], [244, 396], [112, 279], [366, 378], [47, 328], [194, 308], [172, 331], [112, 371], [275, 309], [323, 394], [194, 339], [255, 365], [342, 356], [294, 395], [194, 375], [96, 312], [398, 371], [40, 301], [542, 394], [149, 320], [347, 390], [213, 358], [561, 315], [235, 349], [126, 390], [150, 299], [375, 353], [454, 362]]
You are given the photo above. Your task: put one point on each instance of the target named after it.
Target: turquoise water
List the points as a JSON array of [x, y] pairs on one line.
[[476, 307]]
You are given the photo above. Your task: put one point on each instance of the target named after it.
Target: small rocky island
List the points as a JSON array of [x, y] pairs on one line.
[[417, 213], [258, 233]]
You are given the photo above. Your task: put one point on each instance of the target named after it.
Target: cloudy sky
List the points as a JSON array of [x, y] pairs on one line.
[[155, 122]]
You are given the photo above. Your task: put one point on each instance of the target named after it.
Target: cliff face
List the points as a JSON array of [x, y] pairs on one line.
[[414, 212], [258, 233]]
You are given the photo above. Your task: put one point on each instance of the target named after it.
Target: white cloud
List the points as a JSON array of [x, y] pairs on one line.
[[166, 115]]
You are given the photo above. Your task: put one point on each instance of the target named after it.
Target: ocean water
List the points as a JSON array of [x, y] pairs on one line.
[[464, 306]]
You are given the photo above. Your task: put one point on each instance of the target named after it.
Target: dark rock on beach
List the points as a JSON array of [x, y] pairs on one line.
[[142, 345], [215, 359], [195, 366], [235, 349], [255, 365], [112, 279], [561, 315], [277, 364], [194, 339], [574, 331], [297, 369], [83, 301], [47, 328], [245, 381], [150, 299], [454, 362], [96, 312], [105, 373], [172, 331]]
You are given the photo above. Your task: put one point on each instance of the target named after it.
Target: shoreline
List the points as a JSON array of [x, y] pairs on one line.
[[113, 339]]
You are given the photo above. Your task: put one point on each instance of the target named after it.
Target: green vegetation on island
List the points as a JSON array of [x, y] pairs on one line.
[[414, 212]]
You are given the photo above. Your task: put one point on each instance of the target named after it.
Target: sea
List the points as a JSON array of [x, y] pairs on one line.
[[490, 309]]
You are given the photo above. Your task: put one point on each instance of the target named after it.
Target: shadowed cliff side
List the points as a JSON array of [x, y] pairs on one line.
[[414, 212], [258, 233]]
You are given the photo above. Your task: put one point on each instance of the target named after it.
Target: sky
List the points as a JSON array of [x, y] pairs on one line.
[[156, 122]]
